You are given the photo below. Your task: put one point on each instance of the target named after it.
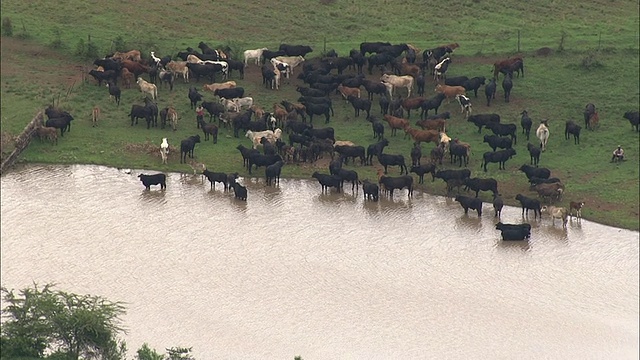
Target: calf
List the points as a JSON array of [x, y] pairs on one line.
[[328, 181], [156, 179], [531, 171], [577, 206], [216, 177], [421, 170], [469, 203], [377, 127], [95, 115], [557, 213], [534, 152], [370, 190], [571, 128], [499, 157], [535, 181], [272, 173], [514, 232], [477, 185], [529, 204], [194, 97]]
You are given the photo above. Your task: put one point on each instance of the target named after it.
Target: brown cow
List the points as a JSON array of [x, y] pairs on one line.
[[95, 115], [133, 55], [435, 124], [450, 92], [49, 133], [505, 64], [135, 67], [127, 78], [395, 123], [422, 135], [348, 91], [412, 104], [215, 86]]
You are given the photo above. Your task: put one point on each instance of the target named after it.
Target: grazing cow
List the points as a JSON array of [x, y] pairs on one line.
[[534, 152], [503, 130], [375, 150], [469, 203], [240, 192], [328, 181], [543, 134], [490, 91], [589, 110], [243, 102], [256, 136], [231, 93], [421, 170], [536, 180], [498, 203], [100, 76], [577, 206], [552, 191], [499, 157], [371, 190], [465, 105], [360, 104], [557, 213], [392, 160], [474, 84], [48, 133], [526, 123], [392, 183], [477, 185], [114, 92], [571, 128], [495, 142], [432, 103], [405, 81], [529, 204], [514, 232], [498, 66], [215, 177], [164, 150], [187, 146], [507, 85], [148, 88], [272, 173], [95, 115], [258, 160], [323, 133], [530, 172], [481, 120], [395, 123], [633, 117], [156, 179]]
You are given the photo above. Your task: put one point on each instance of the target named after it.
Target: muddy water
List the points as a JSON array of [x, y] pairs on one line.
[[293, 271]]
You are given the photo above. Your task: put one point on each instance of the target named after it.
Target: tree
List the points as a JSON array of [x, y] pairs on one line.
[[72, 324]]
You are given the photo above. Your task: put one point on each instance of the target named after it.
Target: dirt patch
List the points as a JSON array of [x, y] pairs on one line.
[[544, 51], [150, 149]]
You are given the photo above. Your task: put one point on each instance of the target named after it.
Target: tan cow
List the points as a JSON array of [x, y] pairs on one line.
[[148, 88], [95, 115], [292, 61], [179, 67], [450, 92], [133, 55], [396, 81], [216, 86]]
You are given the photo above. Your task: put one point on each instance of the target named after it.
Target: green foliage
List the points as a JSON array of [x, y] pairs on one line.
[[146, 353], [71, 324], [180, 353], [7, 26], [119, 44], [81, 48], [57, 41]]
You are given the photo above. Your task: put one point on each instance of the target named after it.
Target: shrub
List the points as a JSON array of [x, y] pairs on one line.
[[7, 27]]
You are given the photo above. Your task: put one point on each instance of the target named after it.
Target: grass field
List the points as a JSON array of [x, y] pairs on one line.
[[599, 64]]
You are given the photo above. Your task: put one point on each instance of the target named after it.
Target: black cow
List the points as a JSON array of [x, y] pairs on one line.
[[140, 112], [531, 171], [633, 117], [477, 185], [526, 123], [62, 123], [262, 160], [152, 108], [107, 75], [322, 100], [474, 84], [393, 50], [297, 127], [328, 181], [534, 152], [235, 65], [514, 232], [469, 203], [481, 120], [377, 127], [114, 91], [372, 47], [498, 204], [529, 204], [214, 109], [209, 130], [503, 130], [240, 191], [272, 173], [236, 92], [378, 60], [589, 110], [447, 175], [420, 170], [571, 128], [305, 91], [458, 152], [507, 85], [351, 152], [536, 180], [268, 77], [392, 160], [206, 70], [295, 50], [500, 157], [241, 123], [335, 166], [186, 147], [267, 147], [496, 141], [375, 150], [456, 81], [194, 97], [374, 87], [392, 183], [214, 177], [348, 175], [246, 153], [432, 103], [416, 154], [109, 64], [490, 91], [156, 179], [267, 55], [299, 139], [360, 104], [371, 190], [323, 133], [384, 104]]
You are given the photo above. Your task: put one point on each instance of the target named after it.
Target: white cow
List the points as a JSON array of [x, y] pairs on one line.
[[405, 81], [292, 61], [147, 87], [164, 150], [253, 54], [543, 134]]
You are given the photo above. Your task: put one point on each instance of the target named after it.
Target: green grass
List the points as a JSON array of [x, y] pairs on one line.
[[556, 87]]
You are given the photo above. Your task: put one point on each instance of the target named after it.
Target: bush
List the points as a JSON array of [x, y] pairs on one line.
[[7, 27], [119, 44]]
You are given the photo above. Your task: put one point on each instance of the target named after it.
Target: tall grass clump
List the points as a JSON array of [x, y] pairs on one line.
[[7, 27]]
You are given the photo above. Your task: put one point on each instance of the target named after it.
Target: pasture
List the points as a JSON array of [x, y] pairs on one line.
[[555, 87]]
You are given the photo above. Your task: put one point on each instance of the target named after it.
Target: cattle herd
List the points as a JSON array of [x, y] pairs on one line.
[[402, 71]]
